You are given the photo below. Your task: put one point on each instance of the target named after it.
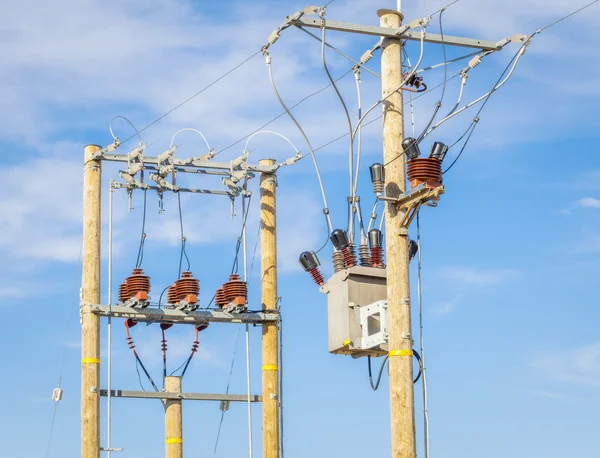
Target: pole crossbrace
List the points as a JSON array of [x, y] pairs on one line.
[[403, 32], [156, 315], [181, 396]]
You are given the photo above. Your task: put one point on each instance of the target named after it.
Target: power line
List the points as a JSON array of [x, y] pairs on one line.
[[195, 95], [569, 15], [283, 113]]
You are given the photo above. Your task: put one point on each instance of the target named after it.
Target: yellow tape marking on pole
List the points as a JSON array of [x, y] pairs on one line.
[[400, 353], [174, 440], [90, 361], [270, 368]]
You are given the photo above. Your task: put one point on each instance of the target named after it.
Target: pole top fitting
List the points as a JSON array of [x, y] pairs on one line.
[[91, 145], [385, 12]]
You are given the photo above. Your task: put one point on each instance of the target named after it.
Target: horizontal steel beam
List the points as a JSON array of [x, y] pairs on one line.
[[190, 163], [183, 396], [185, 190], [167, 315], [403, 32]]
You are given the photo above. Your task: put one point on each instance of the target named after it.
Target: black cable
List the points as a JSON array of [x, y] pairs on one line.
[[375, 386], [327, 237], [140, 256], [183, 240], [145, 371], [137, 369]]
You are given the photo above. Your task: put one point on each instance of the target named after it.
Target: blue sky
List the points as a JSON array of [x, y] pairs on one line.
[[510, 256]]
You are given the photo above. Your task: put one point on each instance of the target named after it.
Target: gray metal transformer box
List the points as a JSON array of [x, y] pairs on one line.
[[349, 291]]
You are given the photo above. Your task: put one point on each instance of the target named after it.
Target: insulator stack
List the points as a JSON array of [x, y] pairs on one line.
[[220, 298], [425, 170], [338, 261], [236, 290], [188, 288], [137, 285], [377, 257], [364, 255], [172, 296], [317, 276], [349, 257]]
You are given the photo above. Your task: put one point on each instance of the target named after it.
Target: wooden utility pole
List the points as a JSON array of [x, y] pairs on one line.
[[173, 420], [402, 409], [90, 294], [270, 354]]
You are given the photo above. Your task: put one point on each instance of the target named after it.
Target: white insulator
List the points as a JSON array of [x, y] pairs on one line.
[[475, 62], [57, 394], [274, 36], [366, 57]]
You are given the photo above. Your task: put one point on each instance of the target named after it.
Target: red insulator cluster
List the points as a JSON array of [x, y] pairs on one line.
[[317, 276], [236, 290], [137, 285], [426, 170], [377, 256], [187, 289], [349, 257]]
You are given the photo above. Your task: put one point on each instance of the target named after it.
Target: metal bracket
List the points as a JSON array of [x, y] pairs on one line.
[[411, 202], [403, 32], [181, 396], [374, 325]]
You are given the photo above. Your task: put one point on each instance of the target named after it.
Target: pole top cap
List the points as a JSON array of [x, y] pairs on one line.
[[384, 12]]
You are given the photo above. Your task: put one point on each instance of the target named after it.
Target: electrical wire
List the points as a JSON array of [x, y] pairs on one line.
[[496, 86], [196, 94], [62, 363], [341, 53], [375, 386], [283, 113], [191, 129], [406, 79], [226, 392], [235, 266], [183, 239], [269, 132], [312, 153], [421, 341], [140, 256], [137, 132], [514, 62], [569, 15], [351, 146], [438, 105]]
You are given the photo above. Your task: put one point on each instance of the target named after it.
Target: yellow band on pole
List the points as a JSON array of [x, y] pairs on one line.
[[269, 367], [174, 440], [90, 361], [346, 342], [400, 353]]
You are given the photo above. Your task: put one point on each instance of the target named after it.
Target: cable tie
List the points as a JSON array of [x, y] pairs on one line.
[[326, 211], [476, 119]]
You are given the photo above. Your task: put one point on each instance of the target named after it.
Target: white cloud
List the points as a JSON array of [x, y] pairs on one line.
[[468, 276], [588, 202], [579, 366]]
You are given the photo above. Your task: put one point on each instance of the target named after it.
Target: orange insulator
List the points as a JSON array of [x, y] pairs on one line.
[[220, 298], [236, 290], [188, 288], [425, 170], [137, 285], [172, 296]]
